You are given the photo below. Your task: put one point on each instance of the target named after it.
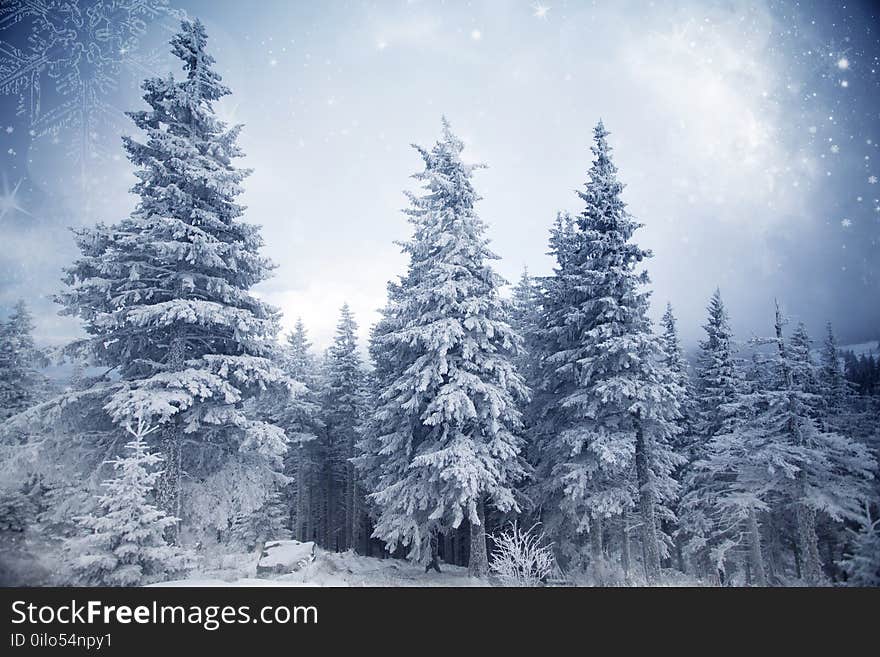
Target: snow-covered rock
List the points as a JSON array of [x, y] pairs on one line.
[[280, 557]]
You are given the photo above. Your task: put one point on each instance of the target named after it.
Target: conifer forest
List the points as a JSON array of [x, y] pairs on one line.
[[612, 319]]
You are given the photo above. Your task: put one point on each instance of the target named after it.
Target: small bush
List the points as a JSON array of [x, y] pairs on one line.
[[521, 557]]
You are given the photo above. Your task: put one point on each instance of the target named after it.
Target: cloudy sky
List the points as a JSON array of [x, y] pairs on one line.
[[746, 131]]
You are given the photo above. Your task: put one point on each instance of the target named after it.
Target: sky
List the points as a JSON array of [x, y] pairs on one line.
[[746, 133]]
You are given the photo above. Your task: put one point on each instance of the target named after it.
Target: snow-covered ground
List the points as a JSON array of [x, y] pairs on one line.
[[328, 569]]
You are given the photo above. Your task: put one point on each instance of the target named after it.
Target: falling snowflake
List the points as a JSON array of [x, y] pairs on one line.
[[63, 59], [846, 223], [872, 180], [835, 148]]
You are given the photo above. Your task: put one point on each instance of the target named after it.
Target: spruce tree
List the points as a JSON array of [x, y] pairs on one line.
[[862, 561], [524, 312], [123, 542], [718, 375], [609, 405], [676, 365], [717, 389], [835, 389], [164, 294], [344, 405], [444, 443], [302, 423], [775, 454]]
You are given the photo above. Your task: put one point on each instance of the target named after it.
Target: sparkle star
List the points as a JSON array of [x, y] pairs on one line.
[[9, 201], [540, 11]]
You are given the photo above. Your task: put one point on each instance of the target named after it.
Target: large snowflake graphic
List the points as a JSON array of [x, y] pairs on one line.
[[63, 60]]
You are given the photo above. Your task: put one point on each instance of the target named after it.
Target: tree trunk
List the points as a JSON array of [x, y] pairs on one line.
[[646, 507], [808, 545], [679, 556], [596, 539], [756, 558], [355, 512], [299, 530], [168, 489], [625, 556], [478, 564], [447, 547], [170, 482], [775, 568]]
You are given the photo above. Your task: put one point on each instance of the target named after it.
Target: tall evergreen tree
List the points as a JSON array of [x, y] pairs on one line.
[[774, 453], [445, 442], [718, 376], [344, 405], [717, 389], [835, 389], [833, 478], [676, 363], [164, 294], [609, 404], [302, 423], [525, 319], [676, 366]]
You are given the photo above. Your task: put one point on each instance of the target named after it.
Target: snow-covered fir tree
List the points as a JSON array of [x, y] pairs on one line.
[[269, 522], [676, 364], [718, 376], [20, 381], [444, 443], [302, 423], [164, 294], [524, 308], [369, 459], [773, 453], [836, 472], [862, 561], [525, 318], [675, 361], [609, 404], [835, 389], [717, 388], [123, 543], [343, 401]]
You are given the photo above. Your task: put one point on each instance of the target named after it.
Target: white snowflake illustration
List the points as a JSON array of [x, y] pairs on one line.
[[872, 180], [63, 58]]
